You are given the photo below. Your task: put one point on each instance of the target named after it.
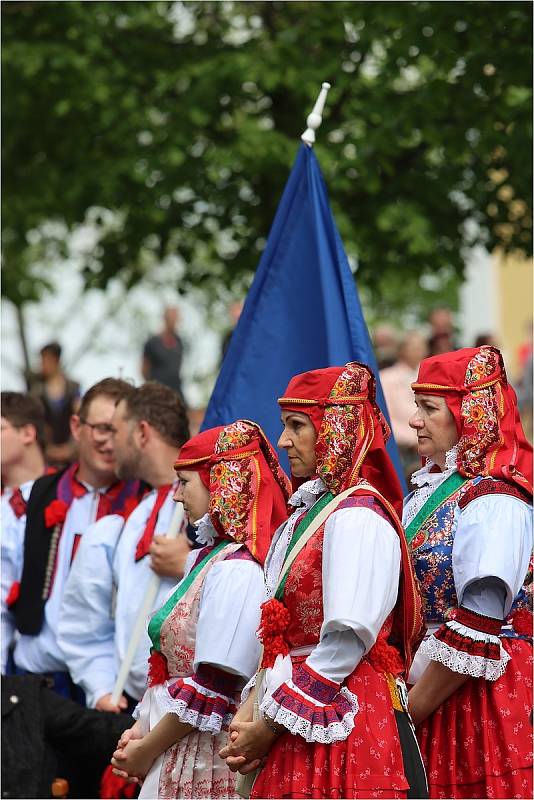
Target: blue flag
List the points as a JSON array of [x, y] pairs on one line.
[[302, 311]]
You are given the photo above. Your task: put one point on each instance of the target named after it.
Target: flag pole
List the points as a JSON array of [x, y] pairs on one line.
[[316, 117], [144, 610]]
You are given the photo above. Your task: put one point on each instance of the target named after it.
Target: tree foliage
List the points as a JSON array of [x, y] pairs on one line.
[[171, 127]]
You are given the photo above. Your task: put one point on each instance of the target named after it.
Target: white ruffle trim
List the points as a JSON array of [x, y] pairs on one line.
[[472, 633], [205, 532], [307, 494], [325, 734], [248, 688], [464, 663], [206, 723]]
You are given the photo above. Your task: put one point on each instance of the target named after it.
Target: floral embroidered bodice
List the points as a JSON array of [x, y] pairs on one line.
[[178, 630], [432, 555], [303, 595]]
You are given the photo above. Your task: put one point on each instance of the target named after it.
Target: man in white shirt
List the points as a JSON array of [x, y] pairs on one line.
[[60, 508], [117, 559], [22, 459]]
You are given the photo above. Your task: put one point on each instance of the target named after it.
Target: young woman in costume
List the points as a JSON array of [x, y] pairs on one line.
[[343, 611], [204, 644], [469, 525]]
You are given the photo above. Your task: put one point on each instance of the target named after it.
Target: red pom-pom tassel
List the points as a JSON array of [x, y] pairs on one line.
[[158, 672], [274, 623], [522, 622]]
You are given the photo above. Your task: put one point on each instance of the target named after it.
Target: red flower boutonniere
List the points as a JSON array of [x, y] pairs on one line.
[[13, 594], [158, 671], [55, 513]]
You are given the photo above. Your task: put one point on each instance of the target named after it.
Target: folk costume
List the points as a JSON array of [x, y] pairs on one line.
[[13, 515], [59, 510], [339, 627], [204, 646], [470, 532], [106, 586]]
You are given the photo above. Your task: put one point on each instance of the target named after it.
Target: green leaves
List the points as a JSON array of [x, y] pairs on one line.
[[182, 120]]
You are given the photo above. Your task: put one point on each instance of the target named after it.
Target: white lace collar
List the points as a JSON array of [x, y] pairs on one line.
[[427, 482], [307, 494], [424, 476], [205, 532]]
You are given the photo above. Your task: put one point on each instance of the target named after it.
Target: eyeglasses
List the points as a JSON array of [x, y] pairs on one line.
[[100, 430]]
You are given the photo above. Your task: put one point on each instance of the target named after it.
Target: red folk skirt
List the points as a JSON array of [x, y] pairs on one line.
[[367, 764], [478, 743]]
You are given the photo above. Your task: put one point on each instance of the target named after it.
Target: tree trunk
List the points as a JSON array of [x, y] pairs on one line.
[[24, 344]]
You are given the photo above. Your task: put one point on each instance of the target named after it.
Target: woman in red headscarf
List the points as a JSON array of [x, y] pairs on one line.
[[204, 645], [469, 525], [343, 611]]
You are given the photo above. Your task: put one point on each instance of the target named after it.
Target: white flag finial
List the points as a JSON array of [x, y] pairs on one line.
[[315, 118]]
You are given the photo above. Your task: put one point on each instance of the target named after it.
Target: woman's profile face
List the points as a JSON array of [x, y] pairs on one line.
[[435, 427], [193, 494], [298, 440]]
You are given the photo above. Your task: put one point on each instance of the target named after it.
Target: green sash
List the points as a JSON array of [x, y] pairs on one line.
[[154, 626], [299, 532], [442, 493]]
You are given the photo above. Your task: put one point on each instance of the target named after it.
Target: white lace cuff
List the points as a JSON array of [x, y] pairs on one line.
[[313, 707], [469, 645], [205, 700]]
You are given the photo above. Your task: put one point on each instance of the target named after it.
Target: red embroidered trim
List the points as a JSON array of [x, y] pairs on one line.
[[216, 680], [489, 486], [18, 503], [201, 703], [478, 621], [323, 716], [13, 594], [316, 686], [463, 644]]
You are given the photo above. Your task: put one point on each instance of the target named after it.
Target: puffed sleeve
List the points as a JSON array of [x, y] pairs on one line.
[[490, 557], [361, 567], [227, 650]]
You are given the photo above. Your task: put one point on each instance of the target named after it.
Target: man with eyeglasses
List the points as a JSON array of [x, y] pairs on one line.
[[60, 508], [118, 558]]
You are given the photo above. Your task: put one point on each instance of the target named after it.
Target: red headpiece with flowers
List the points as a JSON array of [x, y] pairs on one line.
[[351, 430], [484, 406], [248, 489]]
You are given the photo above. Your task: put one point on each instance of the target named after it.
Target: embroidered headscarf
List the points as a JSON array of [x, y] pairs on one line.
[[248, 488], [351, 430], [351, 445], [491, 441]]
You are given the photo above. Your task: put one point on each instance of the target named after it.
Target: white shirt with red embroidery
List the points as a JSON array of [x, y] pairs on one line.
[[102, 600], [12, 545], [41, 653]]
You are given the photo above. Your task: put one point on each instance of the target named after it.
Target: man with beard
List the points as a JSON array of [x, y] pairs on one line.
[[60, 508], [118, 557]]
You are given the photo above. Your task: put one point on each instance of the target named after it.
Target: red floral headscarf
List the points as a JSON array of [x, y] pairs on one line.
[[484, 406], [248, 489], [351, 430]]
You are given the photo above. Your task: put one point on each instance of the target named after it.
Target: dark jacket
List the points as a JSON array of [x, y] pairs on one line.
[[46, 736]]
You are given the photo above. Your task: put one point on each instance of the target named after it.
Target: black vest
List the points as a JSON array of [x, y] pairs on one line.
[[29, 608]]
